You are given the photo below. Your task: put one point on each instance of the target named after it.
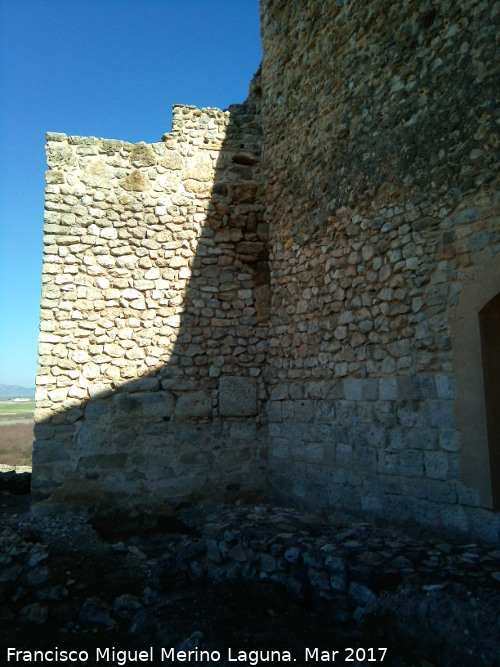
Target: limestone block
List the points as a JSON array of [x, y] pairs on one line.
[[142, 384], [196, 187], [411, 463], [353, 389], [100, 390], [237, 396], [388, 388], [109, 233], [136, 181], [314, 452], [193, 405], [125, 262], [170, 160], [426, 387], [274, 411], [303, 410], [159, 405], [59, 155], [152, 274], [152, 406], [142, 155], [55, 136], [422, 438], [91, 371], [48, 338], [144, 284], [242, 431], [177, 261], [449, 440], [445, 386], [437, 465], [114, 350], [407, 388], [58, 395], [102, 282], [388, 462], [49, 452], [439, 491], [131, 293], [77, 392], [97, 174], [199, 168], [279, 392], [40, 394], [80, 356], [441, 414]]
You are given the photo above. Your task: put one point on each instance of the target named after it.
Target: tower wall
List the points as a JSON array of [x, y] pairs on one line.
[[381, 167], [153, 318]]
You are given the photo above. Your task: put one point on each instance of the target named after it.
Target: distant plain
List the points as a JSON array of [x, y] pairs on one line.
[[16, 432]]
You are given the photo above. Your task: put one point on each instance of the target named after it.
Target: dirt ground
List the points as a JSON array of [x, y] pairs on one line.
[[16, 433]]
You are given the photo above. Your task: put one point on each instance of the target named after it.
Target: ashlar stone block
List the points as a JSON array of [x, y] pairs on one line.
[[194, 405], [237, 396]]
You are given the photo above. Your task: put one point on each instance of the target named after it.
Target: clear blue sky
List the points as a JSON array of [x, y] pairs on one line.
[[105, 68]]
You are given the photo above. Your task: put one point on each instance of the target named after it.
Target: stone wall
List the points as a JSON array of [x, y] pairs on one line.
[[198, 299], [154, 317], [381, 167]]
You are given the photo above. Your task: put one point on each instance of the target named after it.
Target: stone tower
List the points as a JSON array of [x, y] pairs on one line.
[[296, 297]]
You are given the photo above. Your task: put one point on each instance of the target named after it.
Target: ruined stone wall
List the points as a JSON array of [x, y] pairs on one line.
[[154, 317], [168, 341], [381, 166]]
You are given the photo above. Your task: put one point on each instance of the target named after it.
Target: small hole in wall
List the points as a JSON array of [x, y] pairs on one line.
[[428, 18], [244, 159], [166, 419]]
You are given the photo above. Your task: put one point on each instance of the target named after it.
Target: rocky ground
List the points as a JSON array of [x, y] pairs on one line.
[[243, 578]]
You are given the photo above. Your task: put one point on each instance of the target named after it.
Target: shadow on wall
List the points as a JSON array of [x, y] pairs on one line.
[[154, 312]]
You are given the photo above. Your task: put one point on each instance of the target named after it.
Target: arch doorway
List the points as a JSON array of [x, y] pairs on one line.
[[475, 338], [489, 323]]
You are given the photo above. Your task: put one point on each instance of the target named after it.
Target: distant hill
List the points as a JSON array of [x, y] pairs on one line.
[[13, 391]]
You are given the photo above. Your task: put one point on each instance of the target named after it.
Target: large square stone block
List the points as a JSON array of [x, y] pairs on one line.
[[237, 396]]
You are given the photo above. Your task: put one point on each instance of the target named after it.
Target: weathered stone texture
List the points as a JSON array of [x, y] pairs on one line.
[[152, 285], [199, 291], [237, 396], [380, 160]]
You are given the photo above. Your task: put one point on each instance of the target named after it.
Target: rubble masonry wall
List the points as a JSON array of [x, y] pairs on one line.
[[153, 317], [381, 166], [173, 354]]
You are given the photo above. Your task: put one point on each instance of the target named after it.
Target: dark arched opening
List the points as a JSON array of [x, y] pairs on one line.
[[489, 321]]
